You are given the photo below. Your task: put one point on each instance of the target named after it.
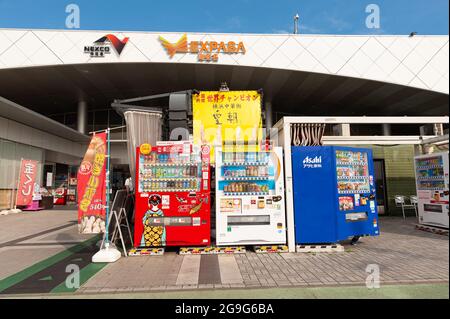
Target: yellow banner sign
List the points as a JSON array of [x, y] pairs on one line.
[[227, 117]]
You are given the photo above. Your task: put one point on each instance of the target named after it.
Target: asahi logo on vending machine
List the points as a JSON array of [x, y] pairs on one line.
[[310, 162]]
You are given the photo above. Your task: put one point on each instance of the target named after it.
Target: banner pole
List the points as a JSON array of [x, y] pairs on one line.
[[18, 182], [11, 197], [107, 181], [107, 254]]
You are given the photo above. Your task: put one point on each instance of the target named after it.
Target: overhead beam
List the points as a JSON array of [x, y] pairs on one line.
[[25, 116], [433, 140], [373, 140], [367, 119]]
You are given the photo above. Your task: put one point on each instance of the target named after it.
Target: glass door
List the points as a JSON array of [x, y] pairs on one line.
[[380, 182]]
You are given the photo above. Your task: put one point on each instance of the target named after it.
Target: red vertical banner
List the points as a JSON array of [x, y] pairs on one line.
[[91, 187], [27, 177], [206, 153]]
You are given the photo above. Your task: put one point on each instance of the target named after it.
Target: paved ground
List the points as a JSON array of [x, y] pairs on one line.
[[36, 247], [403, 254], [417, 291], [30, 237]]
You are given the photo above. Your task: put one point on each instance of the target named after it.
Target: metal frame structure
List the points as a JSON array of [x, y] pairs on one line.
[[438, 140], [283, 129]]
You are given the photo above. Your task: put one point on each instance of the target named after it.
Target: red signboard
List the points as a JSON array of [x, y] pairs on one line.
[[91, 187], [27, 177], [172, 148]]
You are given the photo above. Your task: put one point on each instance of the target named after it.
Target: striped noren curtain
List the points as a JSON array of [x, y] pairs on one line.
[[307, 134], [142, 127]]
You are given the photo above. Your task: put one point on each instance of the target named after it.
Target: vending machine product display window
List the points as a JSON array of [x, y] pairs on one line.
[[249, 196], [172, 195]]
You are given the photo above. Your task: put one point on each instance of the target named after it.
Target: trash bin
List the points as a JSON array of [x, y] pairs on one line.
[[47, 202]]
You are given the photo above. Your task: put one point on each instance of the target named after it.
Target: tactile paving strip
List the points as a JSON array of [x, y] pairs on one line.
[[271, 249], [433, 230], [146, 252], [212, 250], [320, 248]]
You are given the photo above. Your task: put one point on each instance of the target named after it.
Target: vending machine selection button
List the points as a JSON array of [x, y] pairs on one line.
[[261, 204], [276, 198]]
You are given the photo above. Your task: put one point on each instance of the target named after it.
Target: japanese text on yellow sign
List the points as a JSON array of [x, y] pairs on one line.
[[233, 116]]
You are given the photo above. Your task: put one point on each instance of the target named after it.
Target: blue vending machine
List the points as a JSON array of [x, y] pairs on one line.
[[334, 193]]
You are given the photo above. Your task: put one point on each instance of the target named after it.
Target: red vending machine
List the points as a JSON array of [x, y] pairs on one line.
[[172, 195]]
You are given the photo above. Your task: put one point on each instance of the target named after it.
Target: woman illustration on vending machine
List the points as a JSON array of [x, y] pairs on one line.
[[153, 235]]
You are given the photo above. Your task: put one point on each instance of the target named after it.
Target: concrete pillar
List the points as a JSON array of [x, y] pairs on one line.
[[82, 117], [386, 129], [438, 129], [345, 130], [269, 117], [342, 130]]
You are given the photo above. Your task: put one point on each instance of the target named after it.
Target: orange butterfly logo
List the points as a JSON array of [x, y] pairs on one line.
[[172, 48]]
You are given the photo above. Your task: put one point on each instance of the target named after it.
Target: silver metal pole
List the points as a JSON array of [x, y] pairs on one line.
[[269, 118], [296, 18], [111, 129], [386, 129], [18, 181], [290, 223], [12, 191], [107, 188]]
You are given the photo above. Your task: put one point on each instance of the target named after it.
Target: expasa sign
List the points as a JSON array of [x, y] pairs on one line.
[[207, 51]]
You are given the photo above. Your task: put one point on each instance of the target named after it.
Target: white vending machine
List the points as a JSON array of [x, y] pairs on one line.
[[432, 183], [250, 197]]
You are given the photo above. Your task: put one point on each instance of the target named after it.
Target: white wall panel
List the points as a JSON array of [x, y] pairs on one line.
[[16, 132], [419, 61]]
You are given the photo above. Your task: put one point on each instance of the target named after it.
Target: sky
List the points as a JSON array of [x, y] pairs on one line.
[[232, 16]]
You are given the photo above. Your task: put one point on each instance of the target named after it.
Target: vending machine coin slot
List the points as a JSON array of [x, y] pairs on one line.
[[196, 221]]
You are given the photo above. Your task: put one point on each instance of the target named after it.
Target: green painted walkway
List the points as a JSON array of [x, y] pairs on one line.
[[422, 291], [49, 275]]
